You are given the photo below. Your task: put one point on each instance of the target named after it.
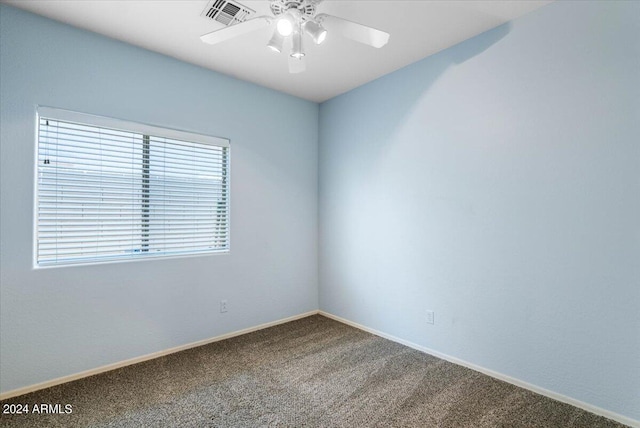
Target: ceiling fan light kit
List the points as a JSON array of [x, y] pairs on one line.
[[296, 49], [285, 24], [293, 18], [277, 42], [316, 31]]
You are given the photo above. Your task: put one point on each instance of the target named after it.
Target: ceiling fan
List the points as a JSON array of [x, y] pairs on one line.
[[293, 19]]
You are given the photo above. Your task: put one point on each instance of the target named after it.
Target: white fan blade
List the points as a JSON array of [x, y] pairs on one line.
[[236, 30], [297, 65], [354, 31]]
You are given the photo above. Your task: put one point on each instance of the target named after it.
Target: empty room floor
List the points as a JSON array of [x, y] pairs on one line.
[[312, 372]]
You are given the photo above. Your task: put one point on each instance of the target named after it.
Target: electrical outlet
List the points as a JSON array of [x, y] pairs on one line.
[[223, 306], [430, 317]]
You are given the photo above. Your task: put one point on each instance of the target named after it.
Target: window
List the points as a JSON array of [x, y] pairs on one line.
[[114, 190]]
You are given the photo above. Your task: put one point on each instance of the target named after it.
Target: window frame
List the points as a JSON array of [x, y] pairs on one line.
[[125, 126]]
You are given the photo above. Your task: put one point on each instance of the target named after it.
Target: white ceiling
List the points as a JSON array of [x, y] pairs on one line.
[[418, 29]]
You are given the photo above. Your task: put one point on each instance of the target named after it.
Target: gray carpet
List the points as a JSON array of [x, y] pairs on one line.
[[313, 372]]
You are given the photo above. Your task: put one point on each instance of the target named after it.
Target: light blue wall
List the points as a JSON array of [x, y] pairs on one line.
[[498, 184], [61, 321]]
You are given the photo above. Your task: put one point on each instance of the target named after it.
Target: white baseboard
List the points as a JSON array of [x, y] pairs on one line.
[[108, 367], [542, 391]]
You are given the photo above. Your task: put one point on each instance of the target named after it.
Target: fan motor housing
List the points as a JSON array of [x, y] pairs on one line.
[[307, 8]]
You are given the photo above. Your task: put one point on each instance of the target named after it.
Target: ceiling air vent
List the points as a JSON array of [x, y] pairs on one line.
[[227, 12]]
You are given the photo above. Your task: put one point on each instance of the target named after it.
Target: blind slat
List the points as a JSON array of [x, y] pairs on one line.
[[49, 184], [134, 242]]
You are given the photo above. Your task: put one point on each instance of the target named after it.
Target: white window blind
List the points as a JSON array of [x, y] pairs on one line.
[[111, 190]]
